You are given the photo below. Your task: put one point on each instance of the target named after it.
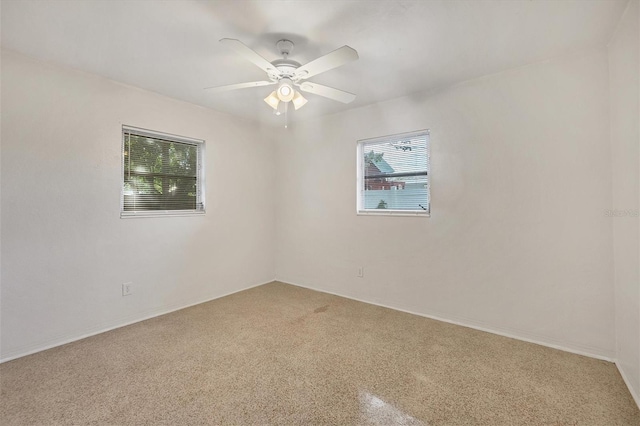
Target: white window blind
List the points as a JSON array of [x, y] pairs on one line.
[[162, 174], [393, 174]]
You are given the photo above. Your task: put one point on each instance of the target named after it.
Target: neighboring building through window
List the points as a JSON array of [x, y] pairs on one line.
[[393, 174], [162, 174]]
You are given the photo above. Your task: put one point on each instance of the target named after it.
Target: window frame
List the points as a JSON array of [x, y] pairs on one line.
[[200, 174], [360, 210]]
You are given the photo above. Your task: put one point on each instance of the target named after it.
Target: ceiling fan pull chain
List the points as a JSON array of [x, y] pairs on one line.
[[286, 115]]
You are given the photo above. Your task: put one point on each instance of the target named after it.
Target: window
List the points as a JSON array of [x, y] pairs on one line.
[[162, 174], [393, 175]]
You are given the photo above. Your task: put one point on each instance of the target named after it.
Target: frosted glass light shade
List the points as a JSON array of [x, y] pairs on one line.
[[298, 100], [272, 100]]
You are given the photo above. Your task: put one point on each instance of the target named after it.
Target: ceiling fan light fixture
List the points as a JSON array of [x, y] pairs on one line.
[[298, 100], [285, 90], [272, 100]]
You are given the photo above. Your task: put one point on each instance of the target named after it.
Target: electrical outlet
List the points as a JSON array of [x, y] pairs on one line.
[[127, 289], [360, 272]]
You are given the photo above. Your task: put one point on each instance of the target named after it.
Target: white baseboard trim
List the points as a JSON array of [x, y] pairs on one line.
[[634, 394], [469, 324], [63, 340]]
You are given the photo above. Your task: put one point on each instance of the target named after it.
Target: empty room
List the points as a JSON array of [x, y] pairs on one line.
[[312, 212]]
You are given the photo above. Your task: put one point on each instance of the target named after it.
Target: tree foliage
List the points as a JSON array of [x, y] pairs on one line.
[[372, 157], [160, 174]]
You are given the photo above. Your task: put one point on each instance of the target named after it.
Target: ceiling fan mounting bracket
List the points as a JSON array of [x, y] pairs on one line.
[[285, 47]]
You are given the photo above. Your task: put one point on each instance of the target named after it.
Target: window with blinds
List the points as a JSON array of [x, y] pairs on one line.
[[162, 174], [393, 175]]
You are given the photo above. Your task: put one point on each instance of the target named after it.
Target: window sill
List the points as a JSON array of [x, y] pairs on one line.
[[393, 213], [160, 213]]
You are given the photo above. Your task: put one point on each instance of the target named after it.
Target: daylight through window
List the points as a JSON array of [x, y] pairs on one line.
[[393, 174], [162, 174]]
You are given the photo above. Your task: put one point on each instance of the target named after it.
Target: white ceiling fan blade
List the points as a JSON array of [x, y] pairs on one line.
[[249, 54], [327, 92], [217, 89], [332, 60]]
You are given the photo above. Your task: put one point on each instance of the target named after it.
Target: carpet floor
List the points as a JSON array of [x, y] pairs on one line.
[[279, 354]]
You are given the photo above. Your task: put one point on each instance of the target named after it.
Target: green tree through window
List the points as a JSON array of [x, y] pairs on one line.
[[160, 174]]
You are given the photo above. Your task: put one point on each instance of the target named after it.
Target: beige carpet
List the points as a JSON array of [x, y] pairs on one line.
[[279, 354]]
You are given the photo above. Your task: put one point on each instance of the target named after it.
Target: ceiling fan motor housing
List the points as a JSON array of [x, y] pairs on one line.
[[286, 69]]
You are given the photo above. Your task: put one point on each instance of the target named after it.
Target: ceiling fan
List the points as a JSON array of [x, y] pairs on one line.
[[287, 74]]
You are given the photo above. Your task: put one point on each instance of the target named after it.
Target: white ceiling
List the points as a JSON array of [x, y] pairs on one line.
[[171, 47]]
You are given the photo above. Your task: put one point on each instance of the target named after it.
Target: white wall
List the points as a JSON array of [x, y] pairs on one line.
[[517, 241], [624, 66], [66, 251]]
